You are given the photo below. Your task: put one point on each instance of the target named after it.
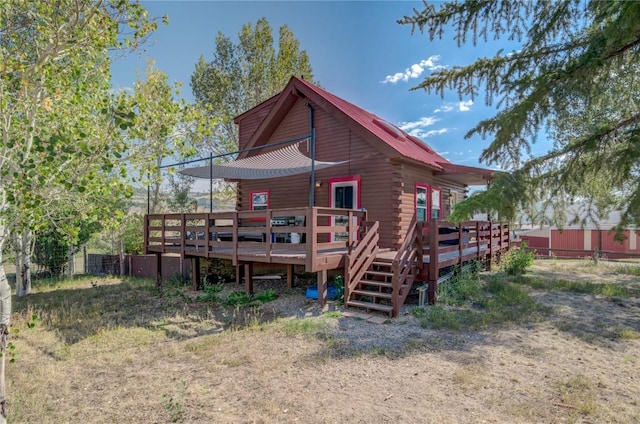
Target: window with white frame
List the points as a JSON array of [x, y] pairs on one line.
[[421, 203], [436, 203], [259, 200]]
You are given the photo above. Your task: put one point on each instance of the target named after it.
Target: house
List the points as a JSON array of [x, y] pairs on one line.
[[327, 185], [386, 171]]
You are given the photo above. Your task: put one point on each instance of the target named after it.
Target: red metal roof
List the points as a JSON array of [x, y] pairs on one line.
[[405, 144]]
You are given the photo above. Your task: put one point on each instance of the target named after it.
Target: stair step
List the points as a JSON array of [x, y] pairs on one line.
[[377, 283], [380, 273], [384, 264], [369, 305], [385, 261], [372, 294]]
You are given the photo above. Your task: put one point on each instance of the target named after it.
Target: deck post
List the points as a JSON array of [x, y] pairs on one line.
[[158, 270], [289, 275], [146, 238], [269, 234], [460, 249], [248, 277], [239, 273], [321, 278], [195, 272], [433, 262], [234, 239], [478, 240], [350, 232], [490, 246], [311, 238], [420, 245]]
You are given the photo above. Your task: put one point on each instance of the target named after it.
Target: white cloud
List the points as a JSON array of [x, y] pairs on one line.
[[465, 105], [425, 121], [435, 132], [415, 70], [420, 127], [447, 107]]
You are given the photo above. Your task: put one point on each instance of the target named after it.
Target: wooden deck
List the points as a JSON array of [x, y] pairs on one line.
[[255, 236], [306, 236]]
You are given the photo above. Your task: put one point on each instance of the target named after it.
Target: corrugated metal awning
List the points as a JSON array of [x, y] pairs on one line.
[[282, 162]]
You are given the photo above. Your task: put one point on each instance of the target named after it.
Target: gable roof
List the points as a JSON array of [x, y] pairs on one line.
[[384, 135], [389, 138], [403, 143]]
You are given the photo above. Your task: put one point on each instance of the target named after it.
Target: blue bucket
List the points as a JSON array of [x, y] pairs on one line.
[[312, 292]]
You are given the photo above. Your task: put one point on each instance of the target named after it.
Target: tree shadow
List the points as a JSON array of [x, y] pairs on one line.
[[86, 309]]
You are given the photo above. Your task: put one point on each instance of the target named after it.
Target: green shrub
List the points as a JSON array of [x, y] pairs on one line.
[[237, 298], [338, 283], [266, 296], [211, 293], [517, 261], [462, 288]]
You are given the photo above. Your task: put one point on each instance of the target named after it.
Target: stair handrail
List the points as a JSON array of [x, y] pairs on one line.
[[404, 263], [358, 261]]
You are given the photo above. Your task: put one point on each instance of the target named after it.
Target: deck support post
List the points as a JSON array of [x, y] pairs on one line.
[[248, 277], [433, 262], [490, 246], [289, 275], [158, 270], [195, 273], [239, 273], [321, 279]]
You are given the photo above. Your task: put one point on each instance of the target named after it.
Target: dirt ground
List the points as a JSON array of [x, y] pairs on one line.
[[179, 362]]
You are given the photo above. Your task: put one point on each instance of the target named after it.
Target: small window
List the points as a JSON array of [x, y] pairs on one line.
[[259, 200], [421, 203], [436, 203]]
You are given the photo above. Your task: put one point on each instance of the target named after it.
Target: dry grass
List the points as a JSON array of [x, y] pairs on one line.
[[121, 352]]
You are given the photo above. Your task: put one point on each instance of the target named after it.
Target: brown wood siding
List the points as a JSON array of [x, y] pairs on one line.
[[249, 122], [405, 177], [334, 142]]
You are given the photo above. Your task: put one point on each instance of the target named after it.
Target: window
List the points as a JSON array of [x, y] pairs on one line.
[[421, 203], [436, 203], [259, 200], [428, 202], [344, 192]]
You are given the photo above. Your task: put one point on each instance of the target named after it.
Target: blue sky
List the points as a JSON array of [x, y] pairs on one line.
[[356, 49]]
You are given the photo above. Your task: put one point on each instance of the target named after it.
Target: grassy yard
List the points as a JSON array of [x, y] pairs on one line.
[[559, 344]]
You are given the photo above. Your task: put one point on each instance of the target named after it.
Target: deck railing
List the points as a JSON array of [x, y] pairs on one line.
[[360, 258], [308, 233], [447, 244], [405, 265]]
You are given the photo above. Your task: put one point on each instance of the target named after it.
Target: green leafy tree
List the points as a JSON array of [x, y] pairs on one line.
[[52, 248], [132, 234], [242, 75], [59, 124], [573, 78], [179, 193], [164, 126]]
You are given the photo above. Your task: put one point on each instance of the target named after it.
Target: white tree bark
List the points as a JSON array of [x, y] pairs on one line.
[[23, 263], [5, 320]]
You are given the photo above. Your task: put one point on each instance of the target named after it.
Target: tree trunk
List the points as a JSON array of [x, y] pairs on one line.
[[17, 245], [24, 247], [5, 320]]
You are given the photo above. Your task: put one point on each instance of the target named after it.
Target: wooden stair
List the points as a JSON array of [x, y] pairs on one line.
[[374, 291]]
